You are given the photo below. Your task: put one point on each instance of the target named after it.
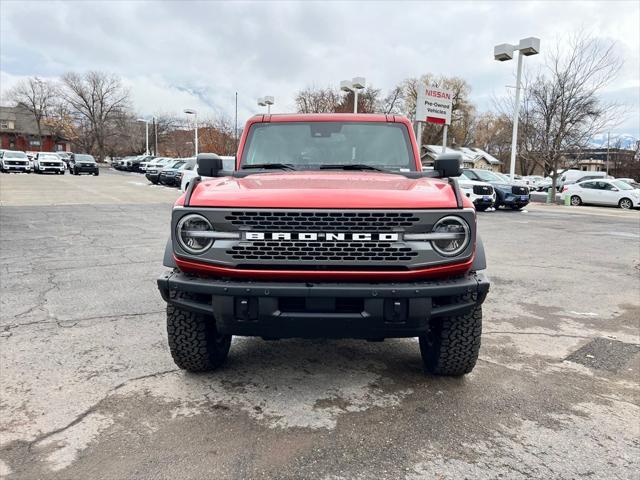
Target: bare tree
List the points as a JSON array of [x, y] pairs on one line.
[[99, 98], [318, 100], [565, 105], [35, 95]]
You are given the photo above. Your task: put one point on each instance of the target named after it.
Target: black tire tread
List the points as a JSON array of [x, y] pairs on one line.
[[452, 345], [194, 342]]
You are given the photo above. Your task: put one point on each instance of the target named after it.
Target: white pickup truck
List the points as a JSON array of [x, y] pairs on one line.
[[48, 162]]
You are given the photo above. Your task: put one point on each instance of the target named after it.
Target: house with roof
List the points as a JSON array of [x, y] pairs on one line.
[[471, 157], [19, 131]]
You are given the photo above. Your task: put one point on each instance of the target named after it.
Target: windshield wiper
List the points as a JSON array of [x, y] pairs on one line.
[[269, 166], [351, 166]]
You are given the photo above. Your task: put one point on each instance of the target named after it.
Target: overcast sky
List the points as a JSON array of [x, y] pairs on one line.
[[176, 55]]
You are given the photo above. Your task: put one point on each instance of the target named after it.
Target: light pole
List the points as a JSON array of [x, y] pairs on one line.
[[504, 52], [190, 111], [146, 128], [266, 102], [155, 136], [354, 85]]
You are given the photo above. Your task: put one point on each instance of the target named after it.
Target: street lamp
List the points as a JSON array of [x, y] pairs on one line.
[[356, 84], [190, 111], [266, 102], [502, 53], [146, 128]]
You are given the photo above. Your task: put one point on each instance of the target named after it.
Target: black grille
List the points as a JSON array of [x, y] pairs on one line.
[[324, 221], [322, 251], [50, 164], [520, 190], [482, 190], [13, 162]]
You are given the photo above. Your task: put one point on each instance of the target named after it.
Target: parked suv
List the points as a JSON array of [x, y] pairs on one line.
[[48, 162], [155, 166], [327, 228], [168, 175], [509, 194], [82, 163], [14, 161], [481, 194]]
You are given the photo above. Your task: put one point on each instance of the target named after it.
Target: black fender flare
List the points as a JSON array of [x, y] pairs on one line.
[[480, 260], [168, 260]]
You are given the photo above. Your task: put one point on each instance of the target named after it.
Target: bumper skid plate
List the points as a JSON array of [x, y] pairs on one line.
[[341, 310]]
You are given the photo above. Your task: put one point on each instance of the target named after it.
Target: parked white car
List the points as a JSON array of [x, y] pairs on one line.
[[481, 194], [228, 163], [602, 192], [48, 162]]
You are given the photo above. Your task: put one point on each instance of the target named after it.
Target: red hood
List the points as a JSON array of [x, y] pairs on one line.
[[324, 190]]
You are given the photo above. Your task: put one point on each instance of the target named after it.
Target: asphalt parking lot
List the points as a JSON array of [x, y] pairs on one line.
[[90, 390]]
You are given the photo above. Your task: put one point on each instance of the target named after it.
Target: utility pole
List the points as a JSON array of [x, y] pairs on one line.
[[236, 134]]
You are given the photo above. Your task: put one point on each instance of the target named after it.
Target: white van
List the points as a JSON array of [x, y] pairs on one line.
[[570, 177]]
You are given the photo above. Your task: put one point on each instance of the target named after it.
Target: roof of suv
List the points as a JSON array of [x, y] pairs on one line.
[[328, 117]]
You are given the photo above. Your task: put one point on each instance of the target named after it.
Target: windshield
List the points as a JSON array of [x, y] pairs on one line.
[[14, 155], [48, 156], [488, 176], [621, 185], [176, 165], [84, 158], [310, 145]]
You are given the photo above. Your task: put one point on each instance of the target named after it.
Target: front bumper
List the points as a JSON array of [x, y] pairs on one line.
[[330, 310], [43, 169], [17, 168], [80, 169], [170, 181], [515, 200]]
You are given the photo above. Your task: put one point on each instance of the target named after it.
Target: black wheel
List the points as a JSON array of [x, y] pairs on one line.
[[576, 201], [194, 342], [96, 173], [515, 207], [452, 344], [481, 208], [155, 182], [625, 203]]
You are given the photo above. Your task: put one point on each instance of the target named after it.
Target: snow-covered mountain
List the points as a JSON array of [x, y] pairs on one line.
[[627, 141]]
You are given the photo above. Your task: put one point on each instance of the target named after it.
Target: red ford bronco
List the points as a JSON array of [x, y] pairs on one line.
[[328, 227]]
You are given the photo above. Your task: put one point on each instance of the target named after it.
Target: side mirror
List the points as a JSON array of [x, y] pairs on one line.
[[614, 189], [448, 164], [209, 164]]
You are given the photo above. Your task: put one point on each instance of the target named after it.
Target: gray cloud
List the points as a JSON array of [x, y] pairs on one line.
[[197, 54]]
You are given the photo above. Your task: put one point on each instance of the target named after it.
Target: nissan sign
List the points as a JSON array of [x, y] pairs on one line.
[[434, 105]]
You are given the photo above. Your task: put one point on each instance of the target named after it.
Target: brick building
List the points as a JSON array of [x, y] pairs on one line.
[[19, 131]]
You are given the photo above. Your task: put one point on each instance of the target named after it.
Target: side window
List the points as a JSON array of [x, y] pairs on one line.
[[587, 185], [606, 186]]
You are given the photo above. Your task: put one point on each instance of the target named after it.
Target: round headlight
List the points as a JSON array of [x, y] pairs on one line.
[[455, 236], [194, 233]]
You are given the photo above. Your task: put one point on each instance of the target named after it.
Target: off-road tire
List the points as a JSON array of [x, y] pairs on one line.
[[194, 342], [452, 344]]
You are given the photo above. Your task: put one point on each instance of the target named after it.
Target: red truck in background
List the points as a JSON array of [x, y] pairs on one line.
[[328, 227]]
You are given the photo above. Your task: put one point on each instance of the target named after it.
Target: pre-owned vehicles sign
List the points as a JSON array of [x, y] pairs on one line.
[[434, 105]]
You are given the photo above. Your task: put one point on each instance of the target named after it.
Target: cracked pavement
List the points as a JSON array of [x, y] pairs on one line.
[[90, 391]]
